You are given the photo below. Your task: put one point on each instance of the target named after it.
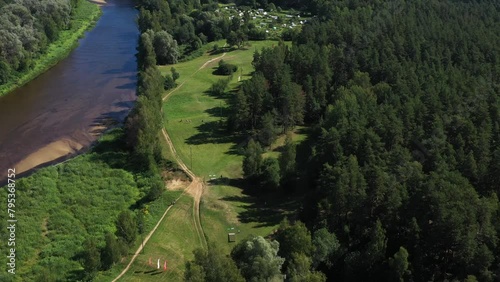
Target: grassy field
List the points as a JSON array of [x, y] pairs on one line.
[[58, 207], [192, 118], [172, 241], [84, 17]]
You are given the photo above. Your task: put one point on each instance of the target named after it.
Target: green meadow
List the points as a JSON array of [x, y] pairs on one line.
[[193, 119]]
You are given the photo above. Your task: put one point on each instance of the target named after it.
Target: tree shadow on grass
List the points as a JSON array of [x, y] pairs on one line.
[[220, 112], [227, 95], [268, 209], [215, 132], [210, 132]]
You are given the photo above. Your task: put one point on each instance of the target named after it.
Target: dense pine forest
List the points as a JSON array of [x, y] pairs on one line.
[[401, 168], [398, 179], [403, 164]]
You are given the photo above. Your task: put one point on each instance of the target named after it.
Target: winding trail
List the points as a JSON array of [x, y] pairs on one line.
[[202, 67], [195, 188]]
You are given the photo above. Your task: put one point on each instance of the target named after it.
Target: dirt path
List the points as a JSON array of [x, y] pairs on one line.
[[195, 188], [146, 239], [202, 67]]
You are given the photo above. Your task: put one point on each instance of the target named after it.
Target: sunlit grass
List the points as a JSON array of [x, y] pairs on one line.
[[83, 18]]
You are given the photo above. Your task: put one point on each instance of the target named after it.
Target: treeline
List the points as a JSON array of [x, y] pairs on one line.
[[26, 30], [192, 24], [402, 163], [291, 253], [302, 5]]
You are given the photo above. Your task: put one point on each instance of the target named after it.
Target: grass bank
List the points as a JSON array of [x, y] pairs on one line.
[[84, 17], [60, 206]]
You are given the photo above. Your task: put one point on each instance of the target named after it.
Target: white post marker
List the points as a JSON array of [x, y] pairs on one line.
[[158, 263]]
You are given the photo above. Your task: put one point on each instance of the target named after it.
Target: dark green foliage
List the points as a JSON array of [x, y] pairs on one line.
[[270, 174], [219, 87], [144, 122], [299, 270], [175, 74], [406, 158], [236, 38], [156, 187], [225, 68], [399, 263], [26, 30], [110, 254], [126, 227], [146, 55], [4, 72], [252, 163], [268, 133], [271, 89], [169, 82], [326, 245], [91, 258], [258, 259], [165, 47], [212, 266], [287, 160], [294, 238]]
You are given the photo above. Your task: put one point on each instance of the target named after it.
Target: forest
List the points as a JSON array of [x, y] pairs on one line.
[[403, 158], [401, 167], [26, 30], [399, 176]]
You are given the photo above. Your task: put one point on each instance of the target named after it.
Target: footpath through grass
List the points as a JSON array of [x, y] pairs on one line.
[[84, 17], [60, 206], [166, 245], [192, 118]]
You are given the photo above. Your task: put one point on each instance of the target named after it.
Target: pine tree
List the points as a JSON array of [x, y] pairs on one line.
[[126, 227], [287, 160], [252, 162], [91, 258], [110, 254]]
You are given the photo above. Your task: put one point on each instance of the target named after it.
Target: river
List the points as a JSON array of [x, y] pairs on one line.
[[61, 112]]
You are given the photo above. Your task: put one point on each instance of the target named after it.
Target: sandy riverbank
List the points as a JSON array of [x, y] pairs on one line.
[[51, 152], [98, 2]]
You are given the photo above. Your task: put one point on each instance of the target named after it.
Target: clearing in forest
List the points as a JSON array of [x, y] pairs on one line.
[[194, 121]]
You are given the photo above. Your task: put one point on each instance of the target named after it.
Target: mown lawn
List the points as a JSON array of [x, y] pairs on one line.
[[84, 17], [192, 118]]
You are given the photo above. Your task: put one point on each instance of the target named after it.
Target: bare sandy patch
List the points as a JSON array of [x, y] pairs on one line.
[[177, 184], [98, 2], [48, 153]]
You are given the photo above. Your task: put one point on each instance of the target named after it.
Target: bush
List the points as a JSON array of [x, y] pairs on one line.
[[169, 82], [225, 68], [219, 87], [256, 34]]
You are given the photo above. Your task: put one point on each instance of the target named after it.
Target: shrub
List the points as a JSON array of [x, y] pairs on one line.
[[225, 68], [169, 82]]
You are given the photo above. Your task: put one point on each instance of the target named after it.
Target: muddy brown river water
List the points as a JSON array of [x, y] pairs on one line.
[[64, 110]]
